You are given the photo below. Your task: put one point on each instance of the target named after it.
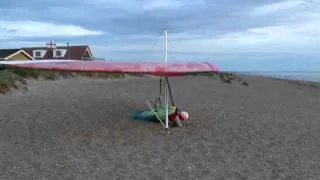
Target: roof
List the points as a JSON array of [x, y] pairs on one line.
[[76, 52], [7, 52]]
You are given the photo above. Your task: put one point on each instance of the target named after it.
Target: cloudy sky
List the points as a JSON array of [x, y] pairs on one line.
[[234, 34]]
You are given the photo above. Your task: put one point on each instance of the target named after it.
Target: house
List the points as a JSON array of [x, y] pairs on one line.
[[14, 54], [80, 52]]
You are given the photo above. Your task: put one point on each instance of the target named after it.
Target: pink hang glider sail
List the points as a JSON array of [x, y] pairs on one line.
[[153, 68]]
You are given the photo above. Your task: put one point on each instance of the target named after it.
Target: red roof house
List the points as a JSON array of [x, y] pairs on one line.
[[81, 52]]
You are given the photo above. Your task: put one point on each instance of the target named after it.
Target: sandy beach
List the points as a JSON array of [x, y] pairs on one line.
[[82, 129]]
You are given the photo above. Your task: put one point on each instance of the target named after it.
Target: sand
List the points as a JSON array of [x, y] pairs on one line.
[[82, 129]]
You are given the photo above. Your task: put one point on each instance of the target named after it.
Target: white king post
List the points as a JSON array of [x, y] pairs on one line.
[[166, 88]]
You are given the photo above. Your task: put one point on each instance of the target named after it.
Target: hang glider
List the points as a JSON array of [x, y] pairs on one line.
[[152, 68], [163, 69], [157, 69]]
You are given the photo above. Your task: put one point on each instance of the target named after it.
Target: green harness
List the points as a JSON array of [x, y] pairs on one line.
[[150, 116]]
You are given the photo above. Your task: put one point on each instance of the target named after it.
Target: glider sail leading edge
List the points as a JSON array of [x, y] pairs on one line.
[[152, 68]]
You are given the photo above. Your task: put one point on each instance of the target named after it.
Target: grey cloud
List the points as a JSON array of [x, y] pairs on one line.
[[127, 22], [117, 18]]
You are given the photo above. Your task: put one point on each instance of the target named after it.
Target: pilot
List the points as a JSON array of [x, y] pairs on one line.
[[176, 118]]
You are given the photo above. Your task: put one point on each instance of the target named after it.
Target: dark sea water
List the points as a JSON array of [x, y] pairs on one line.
[[303, 76]]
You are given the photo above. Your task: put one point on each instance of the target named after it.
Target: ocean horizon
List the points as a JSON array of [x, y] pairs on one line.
[[312, 76]]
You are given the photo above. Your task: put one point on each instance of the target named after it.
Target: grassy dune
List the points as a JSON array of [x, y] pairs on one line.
[[16, 78]]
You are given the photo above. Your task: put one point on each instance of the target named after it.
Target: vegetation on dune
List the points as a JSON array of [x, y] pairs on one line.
[[16, 78], [9, 80]]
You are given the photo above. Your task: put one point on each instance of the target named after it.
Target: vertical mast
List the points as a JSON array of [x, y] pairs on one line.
[[166, 41], [166, 87]]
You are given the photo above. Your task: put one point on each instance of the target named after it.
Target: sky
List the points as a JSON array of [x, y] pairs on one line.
[[240, 35]]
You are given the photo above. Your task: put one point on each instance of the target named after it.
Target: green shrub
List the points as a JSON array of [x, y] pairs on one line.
[[15, 78]]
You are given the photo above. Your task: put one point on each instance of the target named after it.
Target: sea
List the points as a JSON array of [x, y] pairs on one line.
[[313, 76]]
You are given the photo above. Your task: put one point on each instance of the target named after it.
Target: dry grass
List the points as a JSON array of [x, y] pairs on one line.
[[15, 78], [10, 80]]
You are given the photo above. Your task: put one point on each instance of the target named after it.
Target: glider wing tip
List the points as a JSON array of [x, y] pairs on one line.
[[214, 68]]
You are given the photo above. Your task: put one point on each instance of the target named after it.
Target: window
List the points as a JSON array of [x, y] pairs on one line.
[[37, 53], [58, 53]]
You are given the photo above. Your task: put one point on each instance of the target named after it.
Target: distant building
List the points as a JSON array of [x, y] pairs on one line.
[[52, 51], [14, 54]]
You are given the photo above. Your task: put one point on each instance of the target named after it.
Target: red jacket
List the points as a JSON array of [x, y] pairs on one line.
[[172, 117]]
